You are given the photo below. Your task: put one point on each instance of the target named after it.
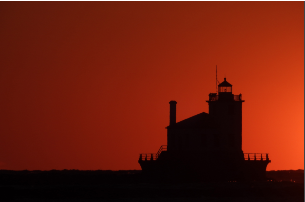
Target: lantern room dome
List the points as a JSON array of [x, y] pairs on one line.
[[225, 83]]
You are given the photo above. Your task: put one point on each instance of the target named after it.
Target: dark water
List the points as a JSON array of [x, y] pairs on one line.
[[130, 186]]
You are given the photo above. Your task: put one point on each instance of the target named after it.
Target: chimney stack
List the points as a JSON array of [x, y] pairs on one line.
[[172, 112]]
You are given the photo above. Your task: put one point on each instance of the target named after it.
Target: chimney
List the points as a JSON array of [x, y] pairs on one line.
[[172, 112]]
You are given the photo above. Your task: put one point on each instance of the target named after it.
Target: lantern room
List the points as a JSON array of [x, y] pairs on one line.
[[225, 87]]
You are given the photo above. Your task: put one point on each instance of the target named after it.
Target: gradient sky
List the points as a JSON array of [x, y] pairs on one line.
[[86, 85]]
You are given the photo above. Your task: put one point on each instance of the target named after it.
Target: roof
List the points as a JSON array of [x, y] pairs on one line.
[[202, 120], [225, 83]]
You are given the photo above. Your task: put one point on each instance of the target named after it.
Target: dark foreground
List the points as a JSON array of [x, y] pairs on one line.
[[131, 186]]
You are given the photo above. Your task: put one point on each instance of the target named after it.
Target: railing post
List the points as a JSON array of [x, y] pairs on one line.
[[261, 157], [145, 157], [267, 158], [254, 156], [248, 157], [152, 157]]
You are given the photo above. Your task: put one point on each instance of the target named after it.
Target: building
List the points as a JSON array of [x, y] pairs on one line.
[[207, 146]]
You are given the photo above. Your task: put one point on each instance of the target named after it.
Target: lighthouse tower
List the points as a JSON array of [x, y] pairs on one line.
[[225, 109]]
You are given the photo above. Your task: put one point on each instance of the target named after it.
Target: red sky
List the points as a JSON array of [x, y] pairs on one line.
[[86, 85]]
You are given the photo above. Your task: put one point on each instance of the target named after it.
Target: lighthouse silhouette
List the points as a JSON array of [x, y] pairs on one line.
[[207, 146]]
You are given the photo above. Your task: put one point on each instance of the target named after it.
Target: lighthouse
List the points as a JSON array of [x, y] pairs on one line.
[[207, 146]]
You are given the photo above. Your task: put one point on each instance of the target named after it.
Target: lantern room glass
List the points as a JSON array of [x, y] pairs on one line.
[[225, 89]]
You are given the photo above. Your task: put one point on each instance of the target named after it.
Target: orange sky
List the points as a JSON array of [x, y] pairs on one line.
[[87, 85]]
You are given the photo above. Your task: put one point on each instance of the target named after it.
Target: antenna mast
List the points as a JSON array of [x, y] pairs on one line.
[[216, 78]]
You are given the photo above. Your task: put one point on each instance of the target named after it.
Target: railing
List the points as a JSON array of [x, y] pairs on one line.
[[162, 148], [214, 97], [247, 156], [152, 156], [148, 157], [256, 156], [237, 97]]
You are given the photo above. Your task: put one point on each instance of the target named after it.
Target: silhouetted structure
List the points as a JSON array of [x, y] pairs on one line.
[[207, 147]]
